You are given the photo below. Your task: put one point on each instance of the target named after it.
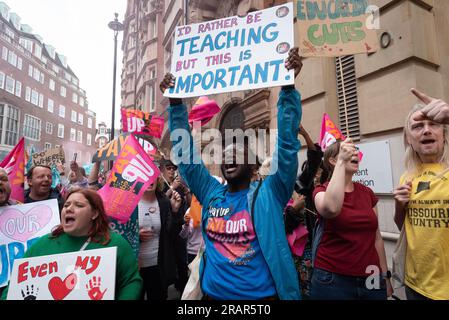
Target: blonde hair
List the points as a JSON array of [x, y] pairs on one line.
[[412, 159]]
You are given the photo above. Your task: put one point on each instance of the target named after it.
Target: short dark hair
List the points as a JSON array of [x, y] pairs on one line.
[[30, 172]]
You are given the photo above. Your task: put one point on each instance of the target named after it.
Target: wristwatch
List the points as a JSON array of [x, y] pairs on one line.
[[386, 275]]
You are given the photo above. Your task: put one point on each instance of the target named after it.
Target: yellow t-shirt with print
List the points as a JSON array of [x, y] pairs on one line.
[[427, 230]]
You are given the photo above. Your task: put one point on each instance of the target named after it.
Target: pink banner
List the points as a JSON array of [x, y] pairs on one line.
[[14, 164], [139, 122], [132, 174]]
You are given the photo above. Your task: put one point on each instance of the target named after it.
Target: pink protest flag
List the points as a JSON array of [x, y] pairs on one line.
[[139, 122], [14, 164], [203, 110], [330, 134], [132, 174]]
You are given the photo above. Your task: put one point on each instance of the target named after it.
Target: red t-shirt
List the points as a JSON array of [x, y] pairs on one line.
[[347, 245]]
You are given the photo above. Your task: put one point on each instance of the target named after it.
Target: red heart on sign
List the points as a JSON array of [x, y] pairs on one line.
[[59, 289]]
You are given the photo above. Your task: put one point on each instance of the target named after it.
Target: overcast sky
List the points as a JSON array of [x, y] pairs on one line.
[[79, 30]]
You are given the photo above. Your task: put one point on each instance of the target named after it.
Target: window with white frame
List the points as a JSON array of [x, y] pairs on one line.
[[18, 88], [34, 97], [60, 131], [5, 54], [80, 119], [63, 91], [89, 123], [32, 127], [47, 146], [49, 128], [50, 106], [79, 137], [73, 116], [9, 124], [2, 80], [41, 100], [52, 85], [74, 98], [61, 111], [72, 134], [89, 139], [10, 84], [28, 94]]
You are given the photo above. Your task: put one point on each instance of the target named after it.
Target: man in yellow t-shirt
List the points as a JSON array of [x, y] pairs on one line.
[[422, 200]]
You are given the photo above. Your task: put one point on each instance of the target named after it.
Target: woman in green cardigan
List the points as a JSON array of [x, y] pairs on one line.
[[84, 222]]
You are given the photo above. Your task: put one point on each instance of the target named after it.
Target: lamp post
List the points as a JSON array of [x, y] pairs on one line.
[[116, 26]]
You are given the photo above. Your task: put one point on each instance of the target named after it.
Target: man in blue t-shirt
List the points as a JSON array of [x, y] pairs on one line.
[[247, 254]]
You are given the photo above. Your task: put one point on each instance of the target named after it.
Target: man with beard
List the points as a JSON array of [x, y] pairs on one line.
[[248, 256], [39, 179]]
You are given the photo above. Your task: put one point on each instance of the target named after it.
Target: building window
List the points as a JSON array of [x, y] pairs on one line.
[[61, 131], [62, 111], [9, 121], [80, 119], [63, 91], [89, 123], [47, 146], [51, 105], [10, 84], [73, 116], [74, 98], [52, 85], [2, 80], [41, 100], [72, 134], [18, 88], [32, 128], [79, 137], [28, 94], [34, 97], [5, 54], [49, 128], [89, 139]]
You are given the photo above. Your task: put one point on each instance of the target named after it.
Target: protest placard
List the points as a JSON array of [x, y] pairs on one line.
[[232, 54], [110, 151], [20, 227], [333, 28], [132, 174], [142, 123], [83, 275], [50, 157], [14, 164]]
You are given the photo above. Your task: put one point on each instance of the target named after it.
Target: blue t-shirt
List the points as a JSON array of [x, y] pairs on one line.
[[235, 268]]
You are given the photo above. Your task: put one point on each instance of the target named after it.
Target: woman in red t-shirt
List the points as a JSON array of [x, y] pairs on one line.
[[350, 261]]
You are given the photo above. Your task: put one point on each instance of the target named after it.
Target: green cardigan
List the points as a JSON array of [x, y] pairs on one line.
[[128, 285]]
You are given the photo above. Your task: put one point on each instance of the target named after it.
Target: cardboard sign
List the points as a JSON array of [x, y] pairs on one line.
[[14, 164], [20, 227], [132, 174], [50, 157], [83, 275], [232, 54], [110, 151], [143, 123], [333, 28]]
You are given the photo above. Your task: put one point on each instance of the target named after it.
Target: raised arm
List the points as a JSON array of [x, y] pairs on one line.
[[188, 159]]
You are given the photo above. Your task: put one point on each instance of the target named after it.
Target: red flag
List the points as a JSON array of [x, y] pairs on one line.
[[14, 164], [139, 122]]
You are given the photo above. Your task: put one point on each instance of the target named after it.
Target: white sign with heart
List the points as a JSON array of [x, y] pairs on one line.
[[20, 227]]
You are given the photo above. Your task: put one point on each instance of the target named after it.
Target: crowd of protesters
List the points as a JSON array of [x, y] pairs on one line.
[[312, 235]]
